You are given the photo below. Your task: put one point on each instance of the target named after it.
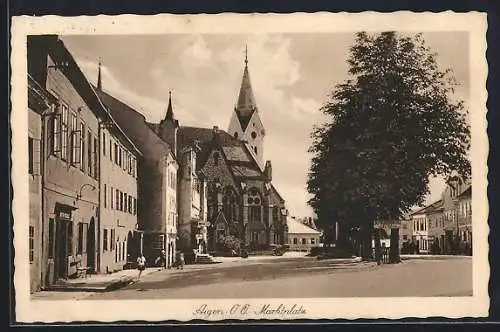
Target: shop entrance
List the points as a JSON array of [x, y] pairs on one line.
[[63, 243]]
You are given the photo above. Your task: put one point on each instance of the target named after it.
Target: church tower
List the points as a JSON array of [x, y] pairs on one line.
[[245, 123], [168, 126]]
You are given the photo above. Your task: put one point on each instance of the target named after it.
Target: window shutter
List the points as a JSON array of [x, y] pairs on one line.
[[55, 133], [36, 157], [50, 134]]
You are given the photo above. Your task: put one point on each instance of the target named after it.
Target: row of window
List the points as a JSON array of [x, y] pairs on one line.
[[465, 209], [120, 156], [71, 141], [119, 200], [303, 241], [114, 244], [420, 225], [82, 234]]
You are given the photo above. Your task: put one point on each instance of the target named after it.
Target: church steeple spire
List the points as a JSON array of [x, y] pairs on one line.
[[245, 105], [99, 82], [170, 111], [245, 123], [246, 55]]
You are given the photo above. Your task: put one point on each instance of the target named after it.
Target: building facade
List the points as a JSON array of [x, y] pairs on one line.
[[156, 168], [119, 240], [420, 229], [465, 218], [70, 159], [301, 237], [192, 203], [38, 105]]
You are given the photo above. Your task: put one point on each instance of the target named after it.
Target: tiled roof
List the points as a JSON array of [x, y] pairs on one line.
[[244, 171], [296, 227], [154, 126], [236, 153], [134, 124], [433, 207]]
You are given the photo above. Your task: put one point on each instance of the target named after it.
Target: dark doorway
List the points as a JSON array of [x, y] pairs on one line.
[[91, 246], [62, 248], [132, 246]]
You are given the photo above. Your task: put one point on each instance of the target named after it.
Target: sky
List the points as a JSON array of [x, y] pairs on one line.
[[292, 76]]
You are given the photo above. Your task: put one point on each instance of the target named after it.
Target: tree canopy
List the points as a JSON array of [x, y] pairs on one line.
[[393, 123]]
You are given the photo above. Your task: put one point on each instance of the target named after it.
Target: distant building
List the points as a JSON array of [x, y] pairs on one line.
[[422, 226], [465, 216], [457, 217], [301, 237]]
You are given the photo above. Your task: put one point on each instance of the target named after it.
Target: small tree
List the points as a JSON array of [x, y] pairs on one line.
[[230, 243], [393, 123]]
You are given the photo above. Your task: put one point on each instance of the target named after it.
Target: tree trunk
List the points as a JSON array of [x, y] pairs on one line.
[[394, 256], [366, 233], [378, 249], [342, 236]]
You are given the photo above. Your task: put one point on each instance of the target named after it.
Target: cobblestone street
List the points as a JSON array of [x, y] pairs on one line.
[[305, 277]]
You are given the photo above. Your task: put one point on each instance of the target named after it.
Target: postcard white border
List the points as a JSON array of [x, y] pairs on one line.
[[182, 310]]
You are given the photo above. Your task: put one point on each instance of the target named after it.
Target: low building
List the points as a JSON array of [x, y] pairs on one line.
[[301, 237], [422, 222]]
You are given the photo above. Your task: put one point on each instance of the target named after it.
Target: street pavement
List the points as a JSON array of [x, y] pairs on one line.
[[303, 277]]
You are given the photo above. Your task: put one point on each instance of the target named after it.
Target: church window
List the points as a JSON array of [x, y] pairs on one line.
[[275, 213], [235, 134], [254, 134], [255, 149], [254, 202], [229, 206]]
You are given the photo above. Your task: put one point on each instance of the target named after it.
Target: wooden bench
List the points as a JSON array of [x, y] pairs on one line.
[[82, 271]]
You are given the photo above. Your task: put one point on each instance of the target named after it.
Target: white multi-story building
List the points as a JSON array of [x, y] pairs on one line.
[[170, 208]]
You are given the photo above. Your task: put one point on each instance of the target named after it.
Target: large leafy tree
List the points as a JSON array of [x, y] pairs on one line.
[[391, 125]]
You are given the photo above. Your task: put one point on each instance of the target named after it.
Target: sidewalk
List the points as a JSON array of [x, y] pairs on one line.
[[100, 282]]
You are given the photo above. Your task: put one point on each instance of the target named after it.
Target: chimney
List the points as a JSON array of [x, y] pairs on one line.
[[268, 171]]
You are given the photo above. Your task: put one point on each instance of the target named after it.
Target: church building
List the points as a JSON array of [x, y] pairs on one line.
[[240, 198]]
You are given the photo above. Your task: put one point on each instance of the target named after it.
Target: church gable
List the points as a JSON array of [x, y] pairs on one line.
[[216, 168]]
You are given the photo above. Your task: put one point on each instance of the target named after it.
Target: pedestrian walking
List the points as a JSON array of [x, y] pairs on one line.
[[141, 264], [180, 263]]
